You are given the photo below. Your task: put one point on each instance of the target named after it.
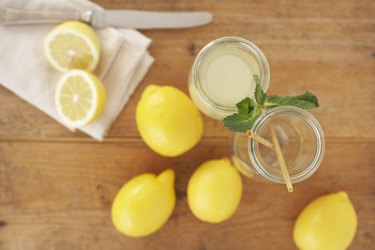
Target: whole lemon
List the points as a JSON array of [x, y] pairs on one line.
[[168, 121], [214, 191], [327, 223], [144, 204]]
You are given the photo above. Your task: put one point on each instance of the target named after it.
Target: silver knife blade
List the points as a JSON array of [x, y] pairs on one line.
[[136, 19], [139, 19]]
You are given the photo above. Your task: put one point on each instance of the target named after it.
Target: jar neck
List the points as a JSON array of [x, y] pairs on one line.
[[247, 47], [306, 171]]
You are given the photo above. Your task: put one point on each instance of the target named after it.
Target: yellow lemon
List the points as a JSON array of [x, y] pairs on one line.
[[327, 223], [144, 204], [168, 121], [72, 45], [80, 98], [214, 191]]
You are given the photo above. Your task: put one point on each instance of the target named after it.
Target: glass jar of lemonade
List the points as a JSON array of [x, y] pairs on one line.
[[301, 140], [222, 75]]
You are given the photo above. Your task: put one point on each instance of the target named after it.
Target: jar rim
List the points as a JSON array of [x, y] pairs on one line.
[[243, 43], [320, 143]]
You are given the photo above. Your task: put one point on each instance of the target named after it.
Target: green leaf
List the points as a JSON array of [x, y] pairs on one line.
[[305, 101], [245, 106], [242, 122], [260, 95]]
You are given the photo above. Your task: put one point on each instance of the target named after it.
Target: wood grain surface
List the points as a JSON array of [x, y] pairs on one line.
[[56, 187]]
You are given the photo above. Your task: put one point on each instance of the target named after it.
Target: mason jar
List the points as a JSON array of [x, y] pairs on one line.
[[223, 74], [301, 140]]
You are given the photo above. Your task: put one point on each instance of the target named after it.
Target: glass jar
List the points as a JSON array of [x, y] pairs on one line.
[[301, 140], [222, 75]]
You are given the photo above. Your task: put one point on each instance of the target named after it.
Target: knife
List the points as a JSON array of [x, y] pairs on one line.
[[136, 19]]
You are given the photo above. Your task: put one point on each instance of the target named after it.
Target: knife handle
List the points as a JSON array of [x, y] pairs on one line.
[[10, 16]]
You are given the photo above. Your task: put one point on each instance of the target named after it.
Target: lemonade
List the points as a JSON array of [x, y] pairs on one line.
[[222, 75]]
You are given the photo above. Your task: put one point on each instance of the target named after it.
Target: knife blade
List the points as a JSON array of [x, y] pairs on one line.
[[137, 19]]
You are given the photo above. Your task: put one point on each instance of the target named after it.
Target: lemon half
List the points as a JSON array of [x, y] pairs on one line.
[[80, 97], [72, 45]]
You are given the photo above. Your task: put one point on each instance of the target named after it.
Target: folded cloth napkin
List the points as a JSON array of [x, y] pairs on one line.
[[25, 71]]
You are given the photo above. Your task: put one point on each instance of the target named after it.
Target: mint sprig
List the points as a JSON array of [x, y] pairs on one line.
[[248, 110], [305, 101]]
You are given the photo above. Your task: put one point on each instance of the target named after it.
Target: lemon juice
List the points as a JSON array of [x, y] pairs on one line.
[[222, 75]]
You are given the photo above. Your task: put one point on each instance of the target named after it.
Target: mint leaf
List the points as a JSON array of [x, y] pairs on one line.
[[305, 101], [245, 106], [260, 95], [240, 122]]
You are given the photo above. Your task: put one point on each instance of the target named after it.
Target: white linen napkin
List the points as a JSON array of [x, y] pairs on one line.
[[25, 71]]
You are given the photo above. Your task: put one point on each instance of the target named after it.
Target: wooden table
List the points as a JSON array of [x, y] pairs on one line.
[[56, 187]]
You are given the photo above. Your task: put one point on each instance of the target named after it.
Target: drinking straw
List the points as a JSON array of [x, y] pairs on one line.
[[280, 158], [259, 139]]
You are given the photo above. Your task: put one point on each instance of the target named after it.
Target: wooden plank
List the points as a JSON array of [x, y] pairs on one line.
[[59, 195]]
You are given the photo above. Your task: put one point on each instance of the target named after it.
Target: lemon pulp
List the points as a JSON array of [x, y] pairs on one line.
[[79, 98], [72, 45]]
